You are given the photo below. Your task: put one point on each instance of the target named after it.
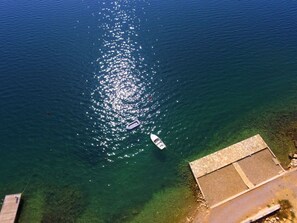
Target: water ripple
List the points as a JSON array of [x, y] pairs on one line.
[[122, 86]]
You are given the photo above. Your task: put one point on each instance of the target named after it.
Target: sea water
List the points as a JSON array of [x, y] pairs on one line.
[[74, 73]]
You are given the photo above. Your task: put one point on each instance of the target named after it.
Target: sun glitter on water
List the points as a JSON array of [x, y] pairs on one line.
[[122, 83]]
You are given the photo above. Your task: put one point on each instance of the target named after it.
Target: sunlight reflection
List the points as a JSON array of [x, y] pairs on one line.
[[123, 80]]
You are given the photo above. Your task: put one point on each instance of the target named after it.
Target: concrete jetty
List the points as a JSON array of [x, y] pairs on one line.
[[234, 170]]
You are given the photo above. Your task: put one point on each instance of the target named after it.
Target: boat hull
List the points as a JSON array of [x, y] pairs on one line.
[[133, 125], [157, 141]]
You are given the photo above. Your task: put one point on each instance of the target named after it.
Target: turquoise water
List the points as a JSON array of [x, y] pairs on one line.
[[73, 74]]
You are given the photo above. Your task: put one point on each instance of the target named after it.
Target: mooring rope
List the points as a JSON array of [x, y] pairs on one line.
[[28, 183]]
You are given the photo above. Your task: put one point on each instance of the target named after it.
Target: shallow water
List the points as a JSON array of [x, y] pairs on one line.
[[73, 74]]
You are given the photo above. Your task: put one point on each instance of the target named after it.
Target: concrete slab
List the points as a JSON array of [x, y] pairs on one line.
[[235, 170], [221, 184], [260, 167], [227, 156]]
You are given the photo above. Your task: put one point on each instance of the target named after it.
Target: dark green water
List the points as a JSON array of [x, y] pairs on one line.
[[74, 73]]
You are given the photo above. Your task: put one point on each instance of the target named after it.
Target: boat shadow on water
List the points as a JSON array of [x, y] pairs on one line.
[[160, 155]]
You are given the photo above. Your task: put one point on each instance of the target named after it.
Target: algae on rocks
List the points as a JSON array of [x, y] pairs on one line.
[[64, 204]]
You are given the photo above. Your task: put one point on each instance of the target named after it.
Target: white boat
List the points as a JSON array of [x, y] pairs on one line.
[[157, 141], [133, 125]]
